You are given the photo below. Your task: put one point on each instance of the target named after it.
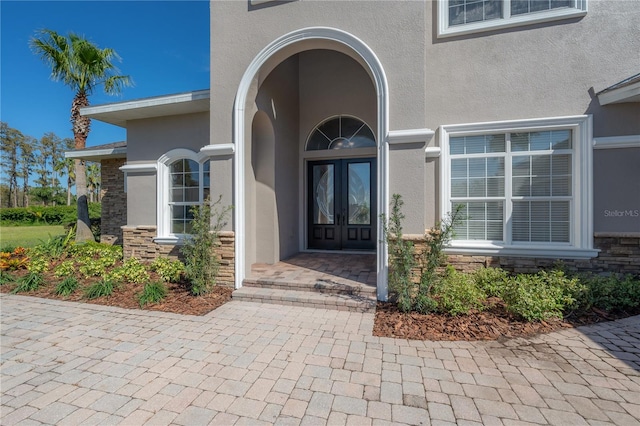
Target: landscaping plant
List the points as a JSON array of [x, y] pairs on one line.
[[153, 293], [66, 286], [169, 270], [100, 289], [201, 262], [30, 282], [457, 293]]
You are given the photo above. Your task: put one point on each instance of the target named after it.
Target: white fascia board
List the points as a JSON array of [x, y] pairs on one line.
[[630, 93], [97, 154], [118, 113]]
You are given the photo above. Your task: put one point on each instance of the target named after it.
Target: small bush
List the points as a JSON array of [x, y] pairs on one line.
[[169, 271], [131, 271], [65, 269], [492, 281], [153, 293], [201, 262], [614, 293], [30, 282], [457, 293], [66, 286], [541, 296], [99, 289], [38, 264]]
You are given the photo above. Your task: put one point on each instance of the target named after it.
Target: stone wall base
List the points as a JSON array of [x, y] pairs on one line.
[[619, 253], [138, 243]]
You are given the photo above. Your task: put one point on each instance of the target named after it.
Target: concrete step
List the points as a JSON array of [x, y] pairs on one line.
[[321, 285], [287, 296]]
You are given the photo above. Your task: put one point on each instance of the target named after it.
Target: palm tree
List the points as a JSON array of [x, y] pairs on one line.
[[93, 181], [83, 66]]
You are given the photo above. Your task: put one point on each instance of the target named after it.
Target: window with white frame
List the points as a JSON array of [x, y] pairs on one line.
[[458, 17], [183, 183], [522, 185]]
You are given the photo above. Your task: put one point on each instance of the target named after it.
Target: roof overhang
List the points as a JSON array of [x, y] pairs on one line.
[[119, 113], [625, 91], [98, 153]]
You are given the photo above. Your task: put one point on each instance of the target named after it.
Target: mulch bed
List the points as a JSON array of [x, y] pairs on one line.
[[492, 323], [179, 300]]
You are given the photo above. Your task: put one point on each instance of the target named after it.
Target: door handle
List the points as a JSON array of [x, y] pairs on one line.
[[338, 219], [344, 216]]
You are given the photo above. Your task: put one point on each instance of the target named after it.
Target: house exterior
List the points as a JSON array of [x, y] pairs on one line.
[[521, 112]]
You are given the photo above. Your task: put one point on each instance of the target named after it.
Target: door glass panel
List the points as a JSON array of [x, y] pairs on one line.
[[323, 207], [359, 193]]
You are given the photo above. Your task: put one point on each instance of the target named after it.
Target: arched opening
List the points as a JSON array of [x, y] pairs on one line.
[[296, 82]]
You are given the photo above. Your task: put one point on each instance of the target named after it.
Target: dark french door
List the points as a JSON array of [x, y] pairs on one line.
[[342, 204]]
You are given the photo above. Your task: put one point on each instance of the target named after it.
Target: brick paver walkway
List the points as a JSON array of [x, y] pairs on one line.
[[245, 363]]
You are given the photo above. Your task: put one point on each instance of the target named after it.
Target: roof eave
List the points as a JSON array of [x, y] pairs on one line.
[[628, 93], [119, 113], [97, 154]]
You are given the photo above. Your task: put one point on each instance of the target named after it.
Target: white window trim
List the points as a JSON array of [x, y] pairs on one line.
[[444, 30], [581, 245], [164, 235]]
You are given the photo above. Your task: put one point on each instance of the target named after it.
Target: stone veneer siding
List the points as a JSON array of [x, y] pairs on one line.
[[138, 243], [619, 253], [114, 201]]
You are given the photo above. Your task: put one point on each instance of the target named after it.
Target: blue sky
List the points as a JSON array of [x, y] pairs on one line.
[[164, 46]]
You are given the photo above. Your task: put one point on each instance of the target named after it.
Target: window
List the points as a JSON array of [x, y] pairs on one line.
[[521, 186], [183, 183], [342, 132], [458, 17]]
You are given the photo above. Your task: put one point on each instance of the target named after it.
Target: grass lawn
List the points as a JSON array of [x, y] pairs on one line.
[[27, 236]]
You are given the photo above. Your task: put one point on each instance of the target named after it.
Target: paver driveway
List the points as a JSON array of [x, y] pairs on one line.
[[71, 363]]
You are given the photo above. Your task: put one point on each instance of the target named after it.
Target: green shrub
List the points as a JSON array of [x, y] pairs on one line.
[[201, 262], [100, 289], [65, 269], [541, 296], [94, 258], [457, 293], [401, 259], [131, 271], [38, 264], [492, 281], [30, 282], [169, 270], [153, 293], [66, 286], [613, 293], [51, 215]]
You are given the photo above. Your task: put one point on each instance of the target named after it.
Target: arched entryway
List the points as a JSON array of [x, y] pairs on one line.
[[298, 82]]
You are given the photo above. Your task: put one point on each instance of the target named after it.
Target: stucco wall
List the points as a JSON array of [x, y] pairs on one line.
[[147, 141], [532, 71]]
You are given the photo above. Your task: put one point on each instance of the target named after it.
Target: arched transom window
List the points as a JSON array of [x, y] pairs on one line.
[[341, 132]]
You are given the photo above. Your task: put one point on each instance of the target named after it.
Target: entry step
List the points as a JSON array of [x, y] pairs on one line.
[[329, 285], [342, 302]]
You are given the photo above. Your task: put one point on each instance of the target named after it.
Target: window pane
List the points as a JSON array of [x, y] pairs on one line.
[[495, 187], [177, 195], [477, 187], [466, 11], [192, 195], [519, 142], [561, 139], [459, 168], [519, 7], [477, 167], [456, 146], [458, 187], [541, 221], [480, 221], [521, 187]]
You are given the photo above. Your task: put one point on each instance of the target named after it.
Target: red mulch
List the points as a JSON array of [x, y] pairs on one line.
[[492, 323], [179, 300]]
